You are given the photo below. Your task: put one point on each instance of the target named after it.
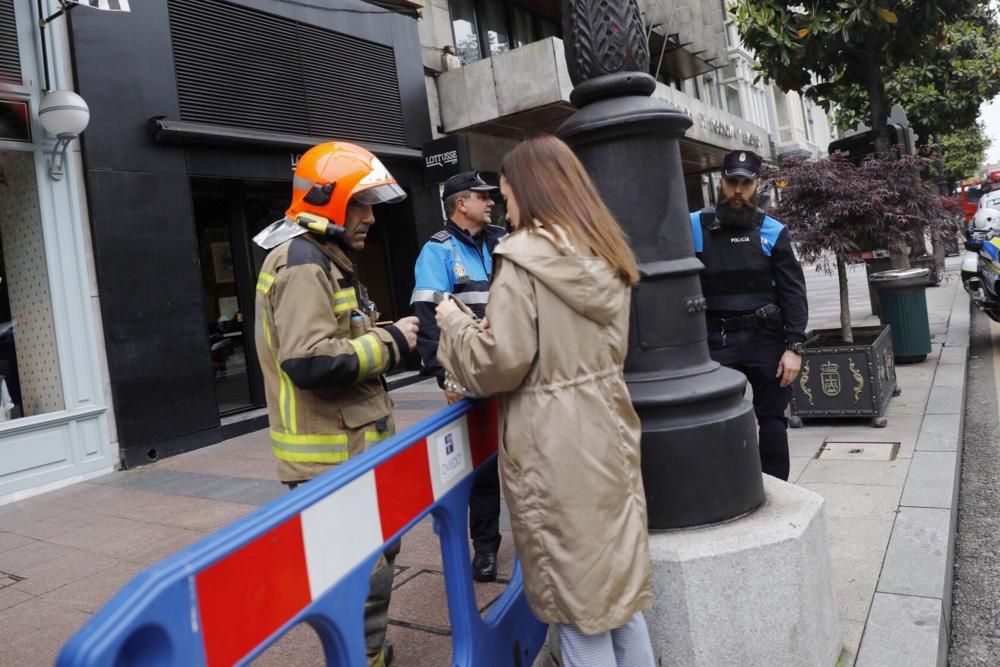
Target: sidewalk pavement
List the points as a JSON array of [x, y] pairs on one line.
[[891, 522]]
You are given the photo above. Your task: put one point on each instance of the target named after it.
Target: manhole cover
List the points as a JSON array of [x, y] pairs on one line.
[[859, 451]]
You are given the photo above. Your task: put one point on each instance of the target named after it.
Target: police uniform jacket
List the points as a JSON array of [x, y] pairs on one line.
[[451, 262], [321, 357], [748, 268], [569, 436]]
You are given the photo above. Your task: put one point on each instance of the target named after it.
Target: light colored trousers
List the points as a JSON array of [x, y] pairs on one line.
[[627, 646]]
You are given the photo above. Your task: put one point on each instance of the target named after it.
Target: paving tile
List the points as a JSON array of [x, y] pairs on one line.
[[55, 523], [33, 632], [129, 540], [954, 354], [945, 401], [807, 448], [423, 601], [421, 547], [879, 473], [951, 376], [418, 648], [10, 541], [797, 464], [221, 464], [939, 433], [850, 633], [902, 631], [197, 485], [90, 593], [67, 568], [854, 584], [931, 480], [10, 596], [858, 501], [858, 539], [299, 646], [916, 561], [31, 555], [180, 511]]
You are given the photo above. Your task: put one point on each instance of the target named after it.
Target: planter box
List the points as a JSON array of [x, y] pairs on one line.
[[840, 380]]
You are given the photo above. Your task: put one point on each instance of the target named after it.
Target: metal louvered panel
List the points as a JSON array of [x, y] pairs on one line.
[[245, 68], [357, 97], [10, 59]]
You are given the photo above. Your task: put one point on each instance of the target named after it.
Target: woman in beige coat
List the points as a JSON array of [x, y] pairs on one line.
[[552, 346]]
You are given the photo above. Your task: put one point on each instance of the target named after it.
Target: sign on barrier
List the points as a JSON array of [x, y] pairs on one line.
[[307, 556]]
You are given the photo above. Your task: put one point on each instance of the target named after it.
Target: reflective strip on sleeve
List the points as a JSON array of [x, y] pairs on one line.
[[344, 300], [369, 351], [430, 295], [310, 448], [265, 282], [473, 298], [377, 436]]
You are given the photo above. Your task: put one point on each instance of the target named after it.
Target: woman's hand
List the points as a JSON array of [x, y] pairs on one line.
[[444, 309]]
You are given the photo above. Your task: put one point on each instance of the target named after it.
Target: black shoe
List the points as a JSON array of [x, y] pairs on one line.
[[484, 566]]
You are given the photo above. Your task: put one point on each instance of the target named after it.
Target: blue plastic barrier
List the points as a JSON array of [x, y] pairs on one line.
[[307, 556]]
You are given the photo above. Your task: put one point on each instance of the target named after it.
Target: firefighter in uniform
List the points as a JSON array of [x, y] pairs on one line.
[[459, 260], [321, 356], [756, 294]]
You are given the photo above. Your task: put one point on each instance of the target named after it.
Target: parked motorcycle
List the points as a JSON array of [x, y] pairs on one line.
[[981, 263]]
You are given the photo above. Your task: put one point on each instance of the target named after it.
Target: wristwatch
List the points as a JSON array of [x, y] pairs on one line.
[[797, 348]]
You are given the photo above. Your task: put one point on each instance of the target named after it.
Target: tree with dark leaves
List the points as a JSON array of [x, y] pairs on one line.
[[834, 210]]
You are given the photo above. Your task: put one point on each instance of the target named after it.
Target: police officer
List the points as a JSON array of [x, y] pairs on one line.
[[321, 356], [756, 294], [459, 260]]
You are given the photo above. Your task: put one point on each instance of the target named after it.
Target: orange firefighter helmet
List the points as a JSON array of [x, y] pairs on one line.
[[329, 175]]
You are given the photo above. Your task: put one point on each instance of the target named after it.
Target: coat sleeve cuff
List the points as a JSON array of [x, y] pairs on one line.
[[399, 339]]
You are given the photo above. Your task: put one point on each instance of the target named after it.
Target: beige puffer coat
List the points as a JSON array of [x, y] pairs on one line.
[[569, 457]]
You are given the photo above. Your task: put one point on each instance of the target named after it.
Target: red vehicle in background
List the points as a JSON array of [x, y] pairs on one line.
[[971, 191]]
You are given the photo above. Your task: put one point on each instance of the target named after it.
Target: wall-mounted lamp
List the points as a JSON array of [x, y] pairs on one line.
[[64, 114]]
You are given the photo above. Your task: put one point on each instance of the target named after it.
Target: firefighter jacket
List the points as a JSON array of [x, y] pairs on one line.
[[321, 357], [451, 262]]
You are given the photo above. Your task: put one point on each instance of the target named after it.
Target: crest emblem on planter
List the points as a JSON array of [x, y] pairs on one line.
[[829, 375]]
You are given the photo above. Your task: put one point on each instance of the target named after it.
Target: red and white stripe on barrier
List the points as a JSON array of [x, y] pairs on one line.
[[246, 596]]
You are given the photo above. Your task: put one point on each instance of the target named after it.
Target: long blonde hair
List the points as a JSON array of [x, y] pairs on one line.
[[551, 186]]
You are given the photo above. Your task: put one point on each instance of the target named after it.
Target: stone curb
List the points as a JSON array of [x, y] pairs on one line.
[[910, 618]]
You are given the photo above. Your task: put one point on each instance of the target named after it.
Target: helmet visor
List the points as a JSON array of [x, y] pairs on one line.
[[386, 193]]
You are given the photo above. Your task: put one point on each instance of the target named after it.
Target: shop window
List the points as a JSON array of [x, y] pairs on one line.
[[733, 103], [463, 23], [524, 30], [483, 28], [30, 380], [495, 24]]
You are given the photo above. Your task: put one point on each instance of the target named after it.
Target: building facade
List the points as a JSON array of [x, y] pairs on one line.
[[55, 425], [508, 77], [199, 113]]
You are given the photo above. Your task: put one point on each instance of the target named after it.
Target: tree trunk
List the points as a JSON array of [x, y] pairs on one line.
[[876, 94], [845, 301]]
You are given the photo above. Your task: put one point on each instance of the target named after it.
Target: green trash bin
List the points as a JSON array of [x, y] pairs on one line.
[[903, 306]]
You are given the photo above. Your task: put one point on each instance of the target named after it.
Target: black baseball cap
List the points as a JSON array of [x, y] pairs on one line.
[[467, 180], [742, 163]]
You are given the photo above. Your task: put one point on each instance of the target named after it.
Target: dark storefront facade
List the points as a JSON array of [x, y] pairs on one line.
[[199, 111]]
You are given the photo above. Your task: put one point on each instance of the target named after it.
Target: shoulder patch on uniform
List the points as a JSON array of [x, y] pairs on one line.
[[302, 251], [770, 229], [441, 236]]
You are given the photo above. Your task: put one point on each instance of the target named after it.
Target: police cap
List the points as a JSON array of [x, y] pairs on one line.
[[741, 163], [467, 180]]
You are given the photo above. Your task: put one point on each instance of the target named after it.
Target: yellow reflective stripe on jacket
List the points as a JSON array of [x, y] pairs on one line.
[[265, 282], [377, 436], [369, 351], [286, 392], [310, 448], [344, 300]]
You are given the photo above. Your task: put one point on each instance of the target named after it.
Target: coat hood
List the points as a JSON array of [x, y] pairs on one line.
[[585, 283]]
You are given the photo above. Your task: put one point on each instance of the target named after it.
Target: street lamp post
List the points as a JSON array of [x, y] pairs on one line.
[[700, 460]]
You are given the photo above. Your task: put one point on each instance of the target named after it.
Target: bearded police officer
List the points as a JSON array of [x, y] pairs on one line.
[[756, 294], [459, 260]]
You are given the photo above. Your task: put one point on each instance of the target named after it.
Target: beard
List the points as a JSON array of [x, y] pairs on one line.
[[744, 215]]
